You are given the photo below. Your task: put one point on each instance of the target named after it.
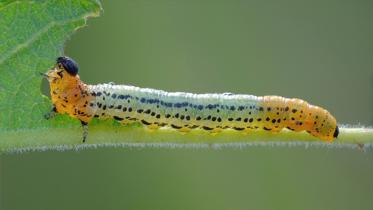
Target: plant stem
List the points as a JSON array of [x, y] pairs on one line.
[[137, 136]]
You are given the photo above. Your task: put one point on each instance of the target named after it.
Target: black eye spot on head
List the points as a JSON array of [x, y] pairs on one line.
[[69, 65], [60, 74]]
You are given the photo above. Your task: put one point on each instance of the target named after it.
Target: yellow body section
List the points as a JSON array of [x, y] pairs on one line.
[[69, 95], [298, 115]]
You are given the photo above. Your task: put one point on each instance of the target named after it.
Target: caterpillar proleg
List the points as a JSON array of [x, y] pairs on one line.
[[182, 111]]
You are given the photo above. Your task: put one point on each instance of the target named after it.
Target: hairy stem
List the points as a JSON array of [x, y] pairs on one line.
[[102, 135]]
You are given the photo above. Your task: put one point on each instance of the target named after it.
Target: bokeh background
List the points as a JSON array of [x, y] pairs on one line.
[[320, 51]]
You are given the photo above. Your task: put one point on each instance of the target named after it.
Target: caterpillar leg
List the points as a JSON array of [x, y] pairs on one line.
[[51, 114], [276, 130], [215, 131], [247, 131], [184, 130], [152, 127], [85, 130]]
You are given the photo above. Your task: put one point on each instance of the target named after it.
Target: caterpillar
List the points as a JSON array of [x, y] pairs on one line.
[[179, 110]]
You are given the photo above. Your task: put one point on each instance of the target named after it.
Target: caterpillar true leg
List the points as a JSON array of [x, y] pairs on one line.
[[182, 111], [85, 130], [51, 114]]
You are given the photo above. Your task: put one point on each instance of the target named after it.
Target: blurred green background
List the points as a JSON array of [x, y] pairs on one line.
[[320, 51]]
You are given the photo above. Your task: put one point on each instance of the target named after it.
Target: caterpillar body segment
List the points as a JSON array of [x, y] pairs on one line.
[[182, 111]]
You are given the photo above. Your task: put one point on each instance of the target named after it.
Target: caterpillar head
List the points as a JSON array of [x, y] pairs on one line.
[[65, 70], [68, 64]]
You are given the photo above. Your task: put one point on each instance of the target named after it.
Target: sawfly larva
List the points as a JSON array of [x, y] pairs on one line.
[[179, 110]]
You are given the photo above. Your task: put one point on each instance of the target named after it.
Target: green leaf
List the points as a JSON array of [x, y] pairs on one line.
[[32, 35]]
